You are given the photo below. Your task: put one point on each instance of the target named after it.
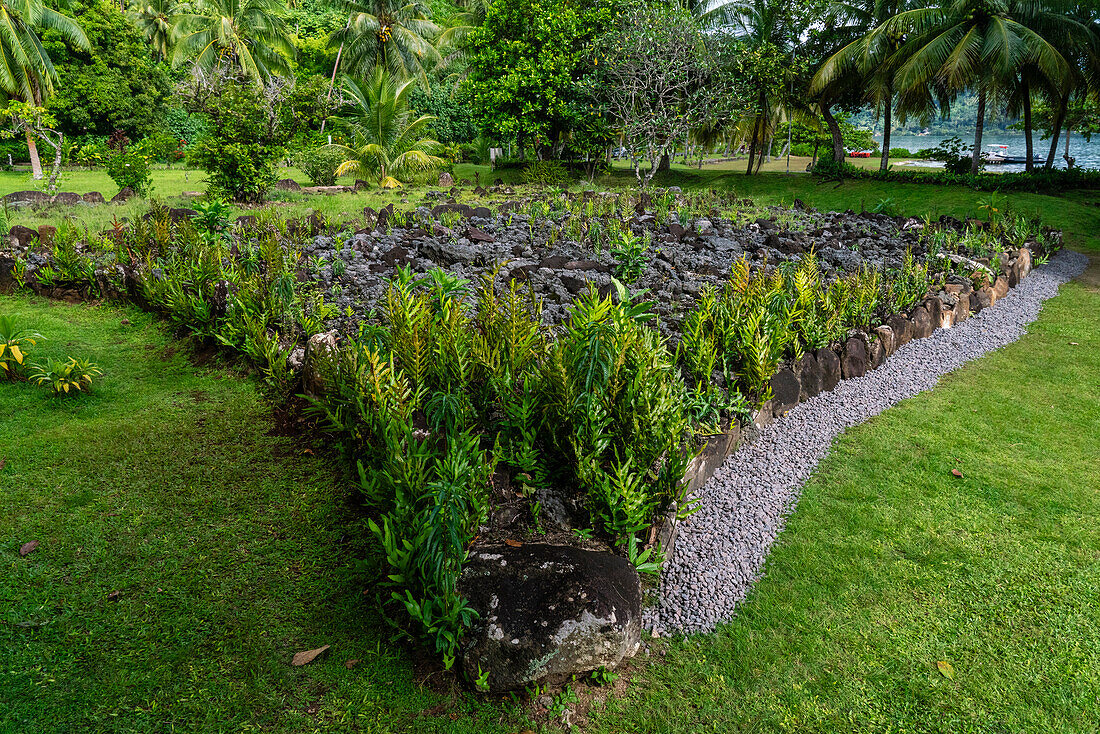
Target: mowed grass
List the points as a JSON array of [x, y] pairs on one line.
[[184, 556], [232, 549], [891, 564]]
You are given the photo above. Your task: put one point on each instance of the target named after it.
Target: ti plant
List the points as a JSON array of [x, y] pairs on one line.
[[14, 341], [66, 377]]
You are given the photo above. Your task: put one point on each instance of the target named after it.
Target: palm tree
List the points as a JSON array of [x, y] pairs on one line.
[[386, 140], [470, 17], [156, 20], [395, 34], [966, 44], [869, 56], [249, 36], [767, 27], [26, 72]]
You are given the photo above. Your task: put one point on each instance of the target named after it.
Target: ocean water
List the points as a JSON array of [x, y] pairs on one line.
[[1086, 153]]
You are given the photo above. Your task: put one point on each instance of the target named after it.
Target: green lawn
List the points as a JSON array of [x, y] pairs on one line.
[[231, 549]]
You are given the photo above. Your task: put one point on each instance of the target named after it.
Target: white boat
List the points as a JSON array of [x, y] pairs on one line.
[[996, 155]]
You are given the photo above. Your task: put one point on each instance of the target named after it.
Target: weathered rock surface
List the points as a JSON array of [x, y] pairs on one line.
[[830, 368], [786, 390], [809, 376], [547, 610], [853, 360]]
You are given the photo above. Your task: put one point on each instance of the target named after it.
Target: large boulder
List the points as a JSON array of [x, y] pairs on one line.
[[903, 332], [830, 368], [93, 198], [786, 390], [886, 337], [548, 611], [27, 198], [809, 376], [319, 348], [124, 194], [853, 360], [22, 236], [920, 323]]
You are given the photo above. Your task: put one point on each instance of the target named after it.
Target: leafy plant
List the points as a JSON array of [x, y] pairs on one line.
[[630, 252], [321, 164], [65, 377], [14, 341], [546, 173], [130, 169]]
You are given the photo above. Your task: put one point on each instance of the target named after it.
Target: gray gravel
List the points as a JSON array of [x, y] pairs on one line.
[[721, 549]]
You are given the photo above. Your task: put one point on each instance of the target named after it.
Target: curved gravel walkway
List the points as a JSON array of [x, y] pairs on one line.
[[721, 549]]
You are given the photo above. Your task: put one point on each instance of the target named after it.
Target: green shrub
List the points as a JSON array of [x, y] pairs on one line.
[[130, 168], [320, 164], [241, 142], [900, 153], [66, 377], [546, 173]]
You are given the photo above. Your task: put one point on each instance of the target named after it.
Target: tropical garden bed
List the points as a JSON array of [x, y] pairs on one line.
[[548, 371]]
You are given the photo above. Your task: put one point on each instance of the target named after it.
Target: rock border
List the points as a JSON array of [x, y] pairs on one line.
[[720, 552]]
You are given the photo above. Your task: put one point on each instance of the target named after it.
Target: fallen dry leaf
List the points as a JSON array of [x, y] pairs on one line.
[[113, 596], [1072, 344], [513, 543], [945, 669], [349, 664], [308, 656], [956, 472], [2, 464], [27, 548]]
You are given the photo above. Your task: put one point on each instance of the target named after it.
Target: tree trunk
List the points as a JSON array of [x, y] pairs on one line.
[[1069, 161], [55, 171], [1029, 143], [664, 164], [884, 163], [979, 128], [1059, 118], [36, 164], [834, 130], [752, 144]]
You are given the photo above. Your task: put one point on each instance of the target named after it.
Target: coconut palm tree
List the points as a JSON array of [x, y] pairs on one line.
[[387, 143], [867, 56], [452, 41], [966, 44], [26, 72], [394, 34], [156, 20], [249, 36]]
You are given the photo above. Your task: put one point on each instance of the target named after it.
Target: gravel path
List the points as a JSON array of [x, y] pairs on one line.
[[721, 549]]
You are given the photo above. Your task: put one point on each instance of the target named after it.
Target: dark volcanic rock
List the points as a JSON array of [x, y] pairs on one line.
[[903, 332], [93, 197], [830, 368], [981, 298], [786, 390], [809, 376], [853, 360], [23, 235], [125, 194], [548, 610], [67, 198], [36, 198], [476, 235], [288, 184]]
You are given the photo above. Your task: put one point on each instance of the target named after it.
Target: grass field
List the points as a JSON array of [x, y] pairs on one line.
[[232, 547]]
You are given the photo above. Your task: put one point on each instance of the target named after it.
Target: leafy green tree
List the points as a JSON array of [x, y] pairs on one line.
[[450, 105], [526, 62], [395, 34], [26, 71], [114, 85], [249, 36], [243, 138], [652, 78], [869, 57], [387, 141]]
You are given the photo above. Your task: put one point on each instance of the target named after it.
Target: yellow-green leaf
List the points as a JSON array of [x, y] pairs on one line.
[[15, 352], [945, 669]]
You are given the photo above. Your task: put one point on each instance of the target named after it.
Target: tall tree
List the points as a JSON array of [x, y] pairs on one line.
[[395, 34], [966, 44], [26, 71], [868, 56], [249, 36]]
